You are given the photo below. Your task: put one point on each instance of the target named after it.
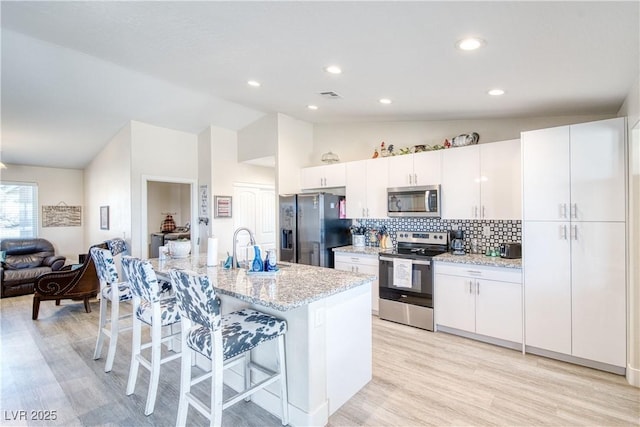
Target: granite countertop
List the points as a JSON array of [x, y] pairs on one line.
[[294, 285], [479, 259], [362, 250]]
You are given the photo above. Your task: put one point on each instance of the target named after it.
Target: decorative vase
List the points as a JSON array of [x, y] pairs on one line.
[[257, 259]]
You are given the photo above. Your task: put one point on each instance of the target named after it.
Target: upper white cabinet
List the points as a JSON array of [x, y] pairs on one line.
[[366, 188], [414, 169], [575, 172], [482, 181], [326, 176]]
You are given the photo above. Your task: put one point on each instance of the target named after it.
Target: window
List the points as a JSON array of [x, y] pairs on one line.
[[18, 209]]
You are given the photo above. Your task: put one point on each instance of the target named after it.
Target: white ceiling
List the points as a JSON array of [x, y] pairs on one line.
[[74, 73]]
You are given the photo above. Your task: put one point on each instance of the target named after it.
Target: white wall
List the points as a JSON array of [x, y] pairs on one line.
[[631, 109], [204, 178], [357, 141], [258, 139], [225, 171], [108, 183], [295, 146], [55, 186], [157, 154]]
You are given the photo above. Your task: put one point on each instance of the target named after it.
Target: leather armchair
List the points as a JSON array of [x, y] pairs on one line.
[[79, 284], [25, 260]]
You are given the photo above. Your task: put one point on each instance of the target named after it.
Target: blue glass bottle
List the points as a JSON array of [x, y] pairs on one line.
[[257, 259]]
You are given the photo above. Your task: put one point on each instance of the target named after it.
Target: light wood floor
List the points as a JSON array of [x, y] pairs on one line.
[[419, 378]]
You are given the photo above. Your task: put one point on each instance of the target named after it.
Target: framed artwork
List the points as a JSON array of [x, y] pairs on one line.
[[104, 217], [222, 206]]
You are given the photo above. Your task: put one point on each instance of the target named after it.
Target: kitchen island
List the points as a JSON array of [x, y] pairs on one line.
[[328, 341]]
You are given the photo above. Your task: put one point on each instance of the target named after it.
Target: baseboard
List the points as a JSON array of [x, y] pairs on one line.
[[633, 376]]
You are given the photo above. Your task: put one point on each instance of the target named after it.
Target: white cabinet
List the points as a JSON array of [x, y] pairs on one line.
[[366, 188], [415, 169], [482, 300], [575, 172], [461, 183], [482, 181], [574, 240], [359, 263], [327, 176]]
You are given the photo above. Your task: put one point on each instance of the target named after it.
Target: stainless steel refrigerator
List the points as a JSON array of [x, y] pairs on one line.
[[311, 226]]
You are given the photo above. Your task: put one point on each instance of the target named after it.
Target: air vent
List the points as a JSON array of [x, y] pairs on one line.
[[330, 95]]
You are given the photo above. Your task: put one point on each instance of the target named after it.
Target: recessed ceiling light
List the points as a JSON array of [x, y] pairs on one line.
[[333, 69], [312, 107], [470, 43], [496, 92], [253, 83], [384, 101]]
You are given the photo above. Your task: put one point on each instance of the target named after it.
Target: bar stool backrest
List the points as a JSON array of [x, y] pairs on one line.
[[142, 278], [105, 265], [196, 298]]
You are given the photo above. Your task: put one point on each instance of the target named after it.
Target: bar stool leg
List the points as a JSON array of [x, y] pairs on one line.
[[247, 374], [156, 344], [216, 383], [135, 353], [185, 376], [282, 368], [113, 340], [101, 325]]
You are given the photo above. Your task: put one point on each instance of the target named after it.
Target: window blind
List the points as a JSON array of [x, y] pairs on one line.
[[18, 210]]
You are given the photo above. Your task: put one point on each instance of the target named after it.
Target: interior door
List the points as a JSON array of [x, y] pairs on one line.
[[254, 208]]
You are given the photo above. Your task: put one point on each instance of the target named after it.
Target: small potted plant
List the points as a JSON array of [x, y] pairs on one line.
[[358, 232]]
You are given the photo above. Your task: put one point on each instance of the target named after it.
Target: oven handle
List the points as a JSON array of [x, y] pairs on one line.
[[413, 261]]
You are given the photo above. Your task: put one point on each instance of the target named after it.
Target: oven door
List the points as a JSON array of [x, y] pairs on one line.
[[421, 290]]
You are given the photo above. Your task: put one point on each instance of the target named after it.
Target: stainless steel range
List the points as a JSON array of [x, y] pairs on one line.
[[406, 278]]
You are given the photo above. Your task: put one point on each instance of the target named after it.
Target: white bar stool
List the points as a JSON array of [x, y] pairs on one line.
[[114, 291], [226, 341], [151, 307]]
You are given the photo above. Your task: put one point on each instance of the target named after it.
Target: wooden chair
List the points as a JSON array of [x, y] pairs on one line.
[[79, 284], [226, 340]]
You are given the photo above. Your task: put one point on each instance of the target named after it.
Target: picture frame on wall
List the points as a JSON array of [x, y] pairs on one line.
[[222, 206], [104, 217]]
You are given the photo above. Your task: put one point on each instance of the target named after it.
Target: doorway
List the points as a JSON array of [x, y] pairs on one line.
[[163, 196]]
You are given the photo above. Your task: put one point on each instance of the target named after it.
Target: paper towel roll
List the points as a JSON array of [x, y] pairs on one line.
[[212, 251]]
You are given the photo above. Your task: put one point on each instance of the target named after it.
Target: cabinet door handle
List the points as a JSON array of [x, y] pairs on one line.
[[470, 286], [573, 210], [363, 212], [477, 288], [483, 214], [410, 179], [563, 229], [475, 215], [575, 232], [563, 210], [357, 269], [367, 212], [415, 178]]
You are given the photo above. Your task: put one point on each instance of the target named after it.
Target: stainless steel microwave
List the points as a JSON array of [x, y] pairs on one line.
[[414, 201]]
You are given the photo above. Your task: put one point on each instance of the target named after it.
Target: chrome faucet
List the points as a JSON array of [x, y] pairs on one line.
[[252, 241]]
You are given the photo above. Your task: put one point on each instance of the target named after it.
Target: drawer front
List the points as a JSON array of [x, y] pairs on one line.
[[371, 260], [499, 274]]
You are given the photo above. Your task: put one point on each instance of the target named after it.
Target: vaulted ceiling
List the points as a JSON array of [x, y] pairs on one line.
[[74, 73]]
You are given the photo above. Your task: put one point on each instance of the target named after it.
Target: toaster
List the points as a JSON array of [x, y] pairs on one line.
[[511, 250]]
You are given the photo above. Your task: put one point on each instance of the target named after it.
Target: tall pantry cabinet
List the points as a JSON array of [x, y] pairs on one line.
[[574, 241]]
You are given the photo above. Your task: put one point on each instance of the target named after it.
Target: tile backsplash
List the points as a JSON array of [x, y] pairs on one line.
[[500, 231]]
